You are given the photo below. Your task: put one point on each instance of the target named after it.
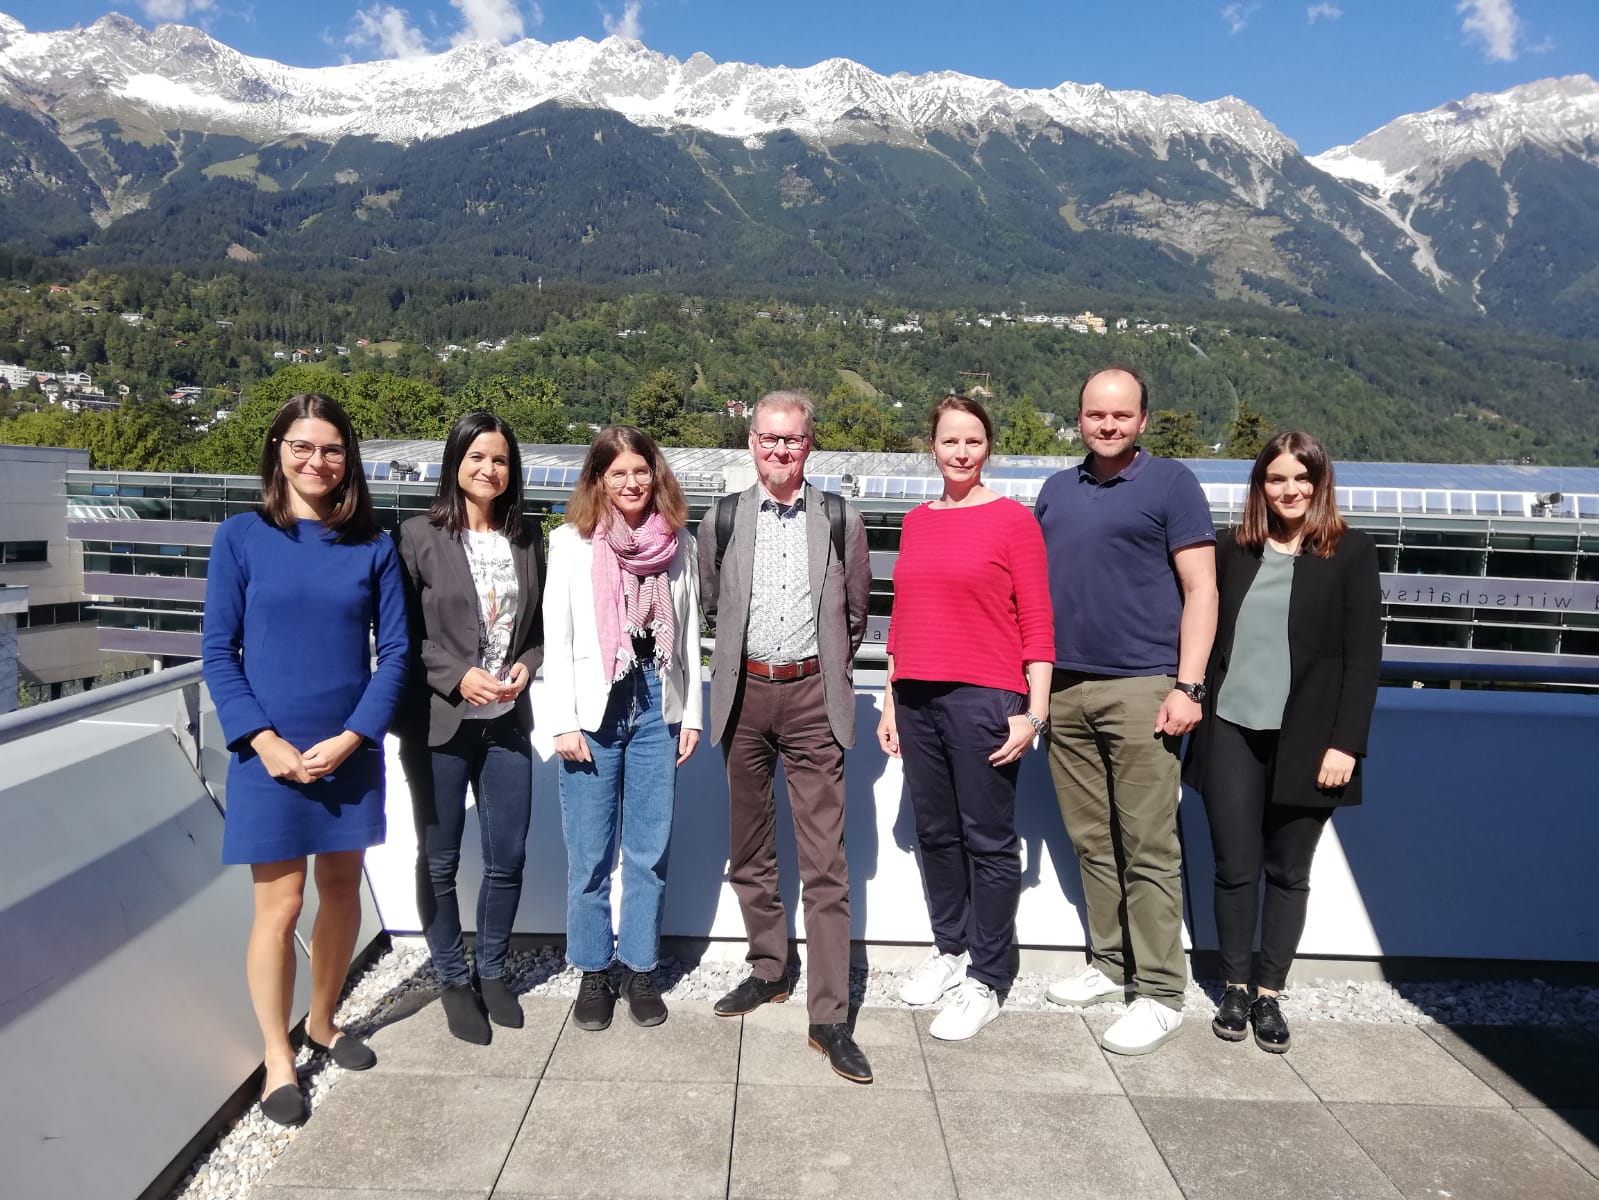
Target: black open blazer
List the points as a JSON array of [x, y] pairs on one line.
[[1335, 657], [443, 609]]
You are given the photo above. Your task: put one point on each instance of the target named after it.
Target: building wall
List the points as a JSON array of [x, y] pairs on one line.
[[33, 508]]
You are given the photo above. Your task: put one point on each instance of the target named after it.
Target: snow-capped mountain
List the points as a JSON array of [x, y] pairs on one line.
[[180, 74], [606, 159]]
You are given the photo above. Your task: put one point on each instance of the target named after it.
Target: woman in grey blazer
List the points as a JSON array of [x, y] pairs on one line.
[[474, 567]]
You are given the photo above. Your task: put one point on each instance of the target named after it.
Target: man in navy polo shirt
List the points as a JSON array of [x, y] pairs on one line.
[[1132, 573]]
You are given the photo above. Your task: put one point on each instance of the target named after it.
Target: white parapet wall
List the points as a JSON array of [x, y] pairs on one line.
[[1473, 843]]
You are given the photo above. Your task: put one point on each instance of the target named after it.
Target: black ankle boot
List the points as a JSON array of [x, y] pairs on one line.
[[504, 1008], [463, 1013]]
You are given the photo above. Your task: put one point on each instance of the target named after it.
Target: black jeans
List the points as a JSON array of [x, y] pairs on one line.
[[965, 817], [493, 758], [1252, 835]]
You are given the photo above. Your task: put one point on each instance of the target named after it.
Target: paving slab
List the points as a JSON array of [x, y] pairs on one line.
[[691, 1047], [1542, 1067], [1052, 1146], [1020, 1052], [378, 1130], [776, 1051], [1224, 1149], [1464, 1153], [1198, 1065], [865, 1142], [1382, 1064], [1574, 1130], [422, 1043], [269, 1192], [638, 1139]]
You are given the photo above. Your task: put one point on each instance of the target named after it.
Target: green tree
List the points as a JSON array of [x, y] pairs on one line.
[[858, 425], [656, 406], [1173, 434], [1022, 431], [531, 407], [1247, 434]]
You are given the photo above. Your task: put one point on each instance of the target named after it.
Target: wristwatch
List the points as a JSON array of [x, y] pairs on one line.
[[1037, 723], [1194, 691]]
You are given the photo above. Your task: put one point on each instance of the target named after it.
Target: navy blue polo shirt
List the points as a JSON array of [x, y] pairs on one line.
[[1118, 602]]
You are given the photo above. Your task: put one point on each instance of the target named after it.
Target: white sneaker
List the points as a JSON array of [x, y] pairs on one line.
[[972, 1006], [1145, 1027], [937, 974], [1088, 986]]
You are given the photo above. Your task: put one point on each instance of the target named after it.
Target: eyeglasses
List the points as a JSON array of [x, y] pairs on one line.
[[332, 455], [617, 480], [771, 441]]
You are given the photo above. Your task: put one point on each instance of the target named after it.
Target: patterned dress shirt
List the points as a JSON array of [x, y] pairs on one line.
[[782, 626]]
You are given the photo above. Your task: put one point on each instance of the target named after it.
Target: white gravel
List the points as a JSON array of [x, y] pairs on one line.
[[231, 1167]]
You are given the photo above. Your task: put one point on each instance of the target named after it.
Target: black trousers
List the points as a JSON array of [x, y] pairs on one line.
[[965, 811], [1251, 836]]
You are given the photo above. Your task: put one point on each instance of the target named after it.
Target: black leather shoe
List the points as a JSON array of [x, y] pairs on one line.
[[351, 1053], [1271, 1030], [285, 1105], [595, 1001], [644, 1003], [843, 1055], [504, 1008], [751, 994], [1232, 1015], [463, 1013]]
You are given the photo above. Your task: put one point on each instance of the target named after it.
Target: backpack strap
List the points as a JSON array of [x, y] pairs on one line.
[[726, 510]]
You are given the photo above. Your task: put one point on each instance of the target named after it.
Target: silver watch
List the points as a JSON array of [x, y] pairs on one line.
[[1037, 723]]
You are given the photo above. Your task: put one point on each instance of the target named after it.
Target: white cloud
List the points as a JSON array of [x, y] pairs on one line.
[[488, 21], [627, 25], [1493, 23], [174, 10], [1237, 16], [1323, 12], [389, 30]]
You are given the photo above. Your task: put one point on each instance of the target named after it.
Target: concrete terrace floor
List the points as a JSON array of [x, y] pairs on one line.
[[710, 1107]]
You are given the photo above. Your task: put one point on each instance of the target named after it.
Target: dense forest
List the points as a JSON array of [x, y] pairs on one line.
[[408, 355]]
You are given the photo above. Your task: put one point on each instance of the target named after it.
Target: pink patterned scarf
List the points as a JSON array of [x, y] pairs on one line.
[[632, 595]]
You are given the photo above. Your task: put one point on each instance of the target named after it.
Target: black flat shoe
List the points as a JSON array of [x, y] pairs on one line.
[[351, 1053], [504, 1008], [463, 1013], [285, 1105], [843, 1055], [1231, 1023], [644, 1003], [595, 1002], [751, 994], [1271, 1030]]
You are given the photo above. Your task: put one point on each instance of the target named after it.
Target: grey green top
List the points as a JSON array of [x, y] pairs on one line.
[[1255, 691]]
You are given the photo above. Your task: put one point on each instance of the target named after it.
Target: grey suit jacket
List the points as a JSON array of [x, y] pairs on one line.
[[839, 597], [443, 608]]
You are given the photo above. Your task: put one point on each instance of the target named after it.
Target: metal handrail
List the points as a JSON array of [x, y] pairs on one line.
[[38, 718]]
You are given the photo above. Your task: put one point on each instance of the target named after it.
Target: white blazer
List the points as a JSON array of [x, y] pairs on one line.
[[575, 685]]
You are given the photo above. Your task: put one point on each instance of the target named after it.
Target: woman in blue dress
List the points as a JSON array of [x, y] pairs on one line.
[[294, 593]]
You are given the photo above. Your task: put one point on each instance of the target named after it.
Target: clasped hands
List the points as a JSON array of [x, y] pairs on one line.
[[477, 686], [283, 761]]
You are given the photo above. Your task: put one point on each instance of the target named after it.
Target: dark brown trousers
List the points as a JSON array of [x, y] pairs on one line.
[[789, 720]]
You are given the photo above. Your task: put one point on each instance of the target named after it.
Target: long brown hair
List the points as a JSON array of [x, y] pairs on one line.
[[351, 518], [591, 499], [1323, 526], [448, 510]]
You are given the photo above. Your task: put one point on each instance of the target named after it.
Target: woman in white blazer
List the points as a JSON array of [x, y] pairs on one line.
[[622, 674]]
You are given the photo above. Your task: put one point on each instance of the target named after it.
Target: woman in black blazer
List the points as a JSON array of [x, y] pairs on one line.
[[474, 568], [1292, 680]]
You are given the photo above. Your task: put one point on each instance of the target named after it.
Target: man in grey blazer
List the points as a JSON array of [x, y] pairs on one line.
[[788, 617]]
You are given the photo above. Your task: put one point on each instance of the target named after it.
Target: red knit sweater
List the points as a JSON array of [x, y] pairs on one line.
[[971, 596]]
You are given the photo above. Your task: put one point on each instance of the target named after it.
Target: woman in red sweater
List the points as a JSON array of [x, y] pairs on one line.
[[970, 651]]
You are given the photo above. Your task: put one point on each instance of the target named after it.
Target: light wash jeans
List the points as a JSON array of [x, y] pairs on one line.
[[630, 785]]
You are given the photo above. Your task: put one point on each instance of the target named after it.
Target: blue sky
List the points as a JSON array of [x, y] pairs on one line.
[[1325, 71]]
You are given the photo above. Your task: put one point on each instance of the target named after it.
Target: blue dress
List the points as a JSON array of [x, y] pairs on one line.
[[288, 615]]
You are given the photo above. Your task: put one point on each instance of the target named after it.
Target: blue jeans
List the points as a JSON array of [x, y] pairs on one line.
[[630, 784], [494, 758]]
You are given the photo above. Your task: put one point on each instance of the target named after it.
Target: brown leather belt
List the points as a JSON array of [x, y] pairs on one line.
[[783, 672]]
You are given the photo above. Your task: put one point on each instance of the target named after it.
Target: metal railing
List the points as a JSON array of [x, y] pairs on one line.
[[54, 714]]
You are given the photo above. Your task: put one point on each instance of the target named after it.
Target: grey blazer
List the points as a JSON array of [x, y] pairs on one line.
[[840, 598], [443, 609]]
